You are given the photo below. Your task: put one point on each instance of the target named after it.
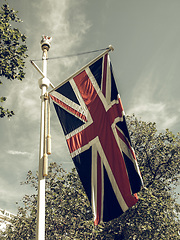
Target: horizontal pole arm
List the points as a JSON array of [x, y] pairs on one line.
[[37, 68]]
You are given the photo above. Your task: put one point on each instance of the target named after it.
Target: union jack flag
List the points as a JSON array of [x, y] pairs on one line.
[[91, 114]]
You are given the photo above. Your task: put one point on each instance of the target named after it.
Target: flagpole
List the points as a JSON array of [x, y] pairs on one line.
[[43, 84]]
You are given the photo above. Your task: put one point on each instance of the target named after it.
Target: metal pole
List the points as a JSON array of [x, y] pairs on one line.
[[43, 84]]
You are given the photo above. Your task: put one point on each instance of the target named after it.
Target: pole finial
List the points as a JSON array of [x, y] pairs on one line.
[[111, 48], [46, 42]]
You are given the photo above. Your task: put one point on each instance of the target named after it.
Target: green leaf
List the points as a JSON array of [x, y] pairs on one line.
[[12, 49]]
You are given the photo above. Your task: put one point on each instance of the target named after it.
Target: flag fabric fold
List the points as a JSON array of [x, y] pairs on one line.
[[90, 111]]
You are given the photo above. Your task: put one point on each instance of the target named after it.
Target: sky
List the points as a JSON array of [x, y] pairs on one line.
[[146, 59]]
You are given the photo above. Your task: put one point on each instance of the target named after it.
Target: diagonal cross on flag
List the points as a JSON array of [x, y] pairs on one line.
[[99, 144]]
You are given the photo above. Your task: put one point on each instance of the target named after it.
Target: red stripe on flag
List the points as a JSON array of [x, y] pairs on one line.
[[80, 115], [126, 142], [121, 106]]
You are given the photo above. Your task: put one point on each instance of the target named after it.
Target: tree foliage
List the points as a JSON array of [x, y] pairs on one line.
[[68, 213], [12, 50]]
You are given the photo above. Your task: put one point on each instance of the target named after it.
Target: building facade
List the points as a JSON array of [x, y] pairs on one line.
[[5, 218]]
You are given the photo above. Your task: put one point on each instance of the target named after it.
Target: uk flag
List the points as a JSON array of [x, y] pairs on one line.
[[91, 114]]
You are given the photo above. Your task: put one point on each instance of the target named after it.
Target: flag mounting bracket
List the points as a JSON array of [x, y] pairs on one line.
[[46, 97], [43, 79]]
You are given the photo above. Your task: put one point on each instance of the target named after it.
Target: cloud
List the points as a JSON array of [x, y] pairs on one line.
[[154, 96], [155, 112], [65, 21], [12, 152]]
